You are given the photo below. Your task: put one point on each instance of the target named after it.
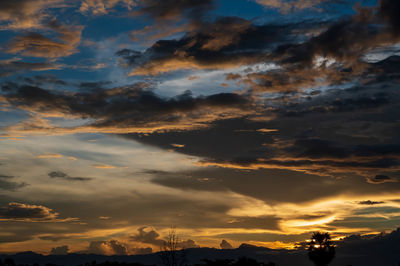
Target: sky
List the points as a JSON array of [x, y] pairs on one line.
[[256, 121]]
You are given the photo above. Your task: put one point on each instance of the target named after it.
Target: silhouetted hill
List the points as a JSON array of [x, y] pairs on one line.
[[195, 255], [380, 250]]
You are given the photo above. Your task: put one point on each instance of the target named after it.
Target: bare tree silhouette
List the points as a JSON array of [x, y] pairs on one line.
[[321, 250], [170, 254]]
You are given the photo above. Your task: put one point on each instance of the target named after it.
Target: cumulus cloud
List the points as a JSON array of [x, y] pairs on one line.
[[189, 243], [148, 237], [111, 247], [62, 250], [153, 237]]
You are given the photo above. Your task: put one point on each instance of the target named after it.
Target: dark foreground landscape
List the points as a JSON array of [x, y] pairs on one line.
[[378, 250]]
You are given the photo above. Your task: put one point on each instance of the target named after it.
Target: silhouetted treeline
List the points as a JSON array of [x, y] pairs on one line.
[[243, 261], [108, 263], [10, 262]]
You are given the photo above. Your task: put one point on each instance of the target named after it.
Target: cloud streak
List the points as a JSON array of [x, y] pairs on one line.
[[15, 211], [37, 45], [123, 110]]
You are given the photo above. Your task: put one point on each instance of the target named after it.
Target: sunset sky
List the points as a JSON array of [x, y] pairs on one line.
[[256, 121]]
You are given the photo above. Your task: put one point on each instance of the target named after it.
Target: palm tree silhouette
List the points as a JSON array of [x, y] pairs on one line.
[[321, 251]]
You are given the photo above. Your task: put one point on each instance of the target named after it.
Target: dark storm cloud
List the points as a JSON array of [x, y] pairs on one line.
[[334, 56], [345, 40], [132, 106], [330, 132], [348, 39], [25, 211], [226, 42], [64, 176], [30, 213], [335, 132], [313, 135], [7, 184], [233, 41]]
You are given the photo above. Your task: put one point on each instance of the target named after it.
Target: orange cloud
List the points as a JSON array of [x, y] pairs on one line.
[[37, 45], [101, 7], [50, 156], [25, 14], [103, 166], [177, 145], [286, 6]]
